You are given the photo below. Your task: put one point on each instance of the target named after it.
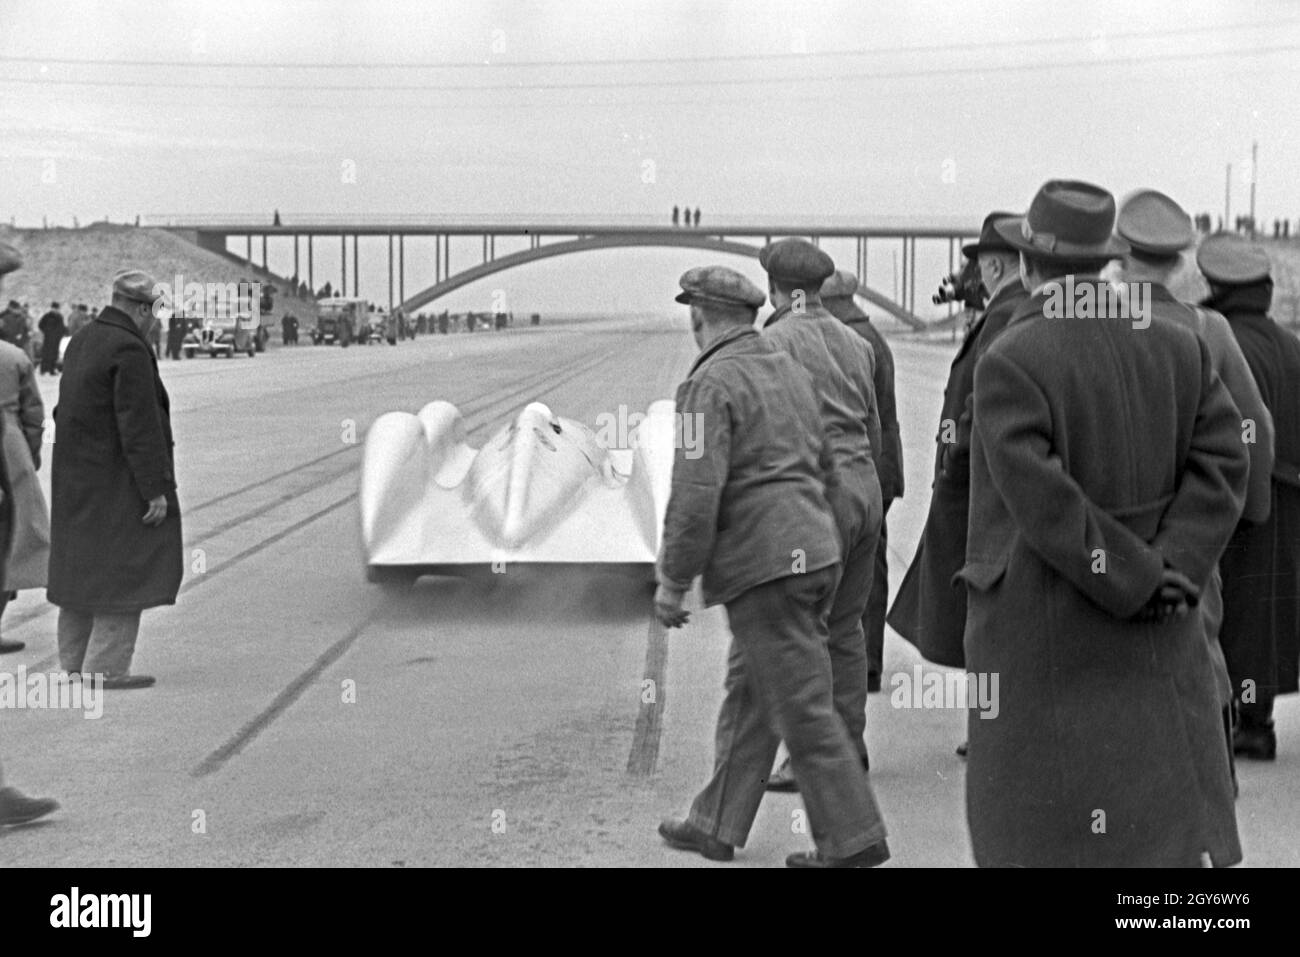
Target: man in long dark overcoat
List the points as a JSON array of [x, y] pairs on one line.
[[930, 608], [1261, 567], [115, 530], [1107, 474], [53, 329]]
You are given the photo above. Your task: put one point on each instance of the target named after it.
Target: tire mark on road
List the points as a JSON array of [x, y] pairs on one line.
[[282, 701]]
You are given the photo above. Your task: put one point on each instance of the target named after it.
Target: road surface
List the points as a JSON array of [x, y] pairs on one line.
[[303, 717]]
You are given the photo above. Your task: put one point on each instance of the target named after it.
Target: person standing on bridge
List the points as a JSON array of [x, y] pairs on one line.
[[750, 514], [930, 610], [842, 367], [838, 294], [116, 524], [697, 217]]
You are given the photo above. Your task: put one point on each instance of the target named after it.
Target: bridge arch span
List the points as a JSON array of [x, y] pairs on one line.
[[686, 240]]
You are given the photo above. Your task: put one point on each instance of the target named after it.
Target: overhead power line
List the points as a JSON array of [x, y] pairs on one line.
[[980, 47], [520, 86]]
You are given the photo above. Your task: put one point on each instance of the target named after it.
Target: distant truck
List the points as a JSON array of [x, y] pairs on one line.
[[380, 326], [342, 320], [222, 326]]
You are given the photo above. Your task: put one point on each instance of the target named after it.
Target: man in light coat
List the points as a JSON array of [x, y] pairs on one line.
[[750, 515]]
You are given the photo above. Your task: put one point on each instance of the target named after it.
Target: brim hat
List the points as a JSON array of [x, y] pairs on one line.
[[1067, 220]]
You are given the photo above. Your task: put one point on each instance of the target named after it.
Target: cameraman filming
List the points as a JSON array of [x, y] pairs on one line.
[[928, 611]]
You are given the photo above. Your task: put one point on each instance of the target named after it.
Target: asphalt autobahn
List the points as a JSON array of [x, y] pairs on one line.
[[305, 717]]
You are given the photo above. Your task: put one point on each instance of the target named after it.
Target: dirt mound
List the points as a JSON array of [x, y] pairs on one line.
[[78, 265]]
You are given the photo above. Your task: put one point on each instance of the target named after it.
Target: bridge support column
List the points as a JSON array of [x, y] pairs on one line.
[[356, 269], [343, 286], [248, 250], [401, 268], [264, 250], [912, 258], [296, 277], [311, 280], [390, 276], [437, 259], [902, 280]]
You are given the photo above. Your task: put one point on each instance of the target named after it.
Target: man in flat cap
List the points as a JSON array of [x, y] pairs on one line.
[[838, 294], [751, 516], [15, 807], [842, 367], [1261, 566], [1157, 231], [930, 608], [115, 524], [1107, 474]]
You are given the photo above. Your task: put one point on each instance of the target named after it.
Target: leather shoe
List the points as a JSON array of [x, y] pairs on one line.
[[127, 682], [688, 837], [17, 808], [7, 646], [961, 750], [1257, 741], [873, 856]]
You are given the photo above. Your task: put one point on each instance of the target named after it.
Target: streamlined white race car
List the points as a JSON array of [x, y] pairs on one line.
[[543, 489]]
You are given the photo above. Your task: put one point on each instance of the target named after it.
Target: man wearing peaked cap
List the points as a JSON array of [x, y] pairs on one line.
[[838, 297], [1227, 259], [115, 546], [842, 366], [1261, 567], [928, 611], [750, 516], [1157, 231], [1098, 507]]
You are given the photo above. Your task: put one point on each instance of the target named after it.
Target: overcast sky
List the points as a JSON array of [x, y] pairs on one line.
[[597, 108]]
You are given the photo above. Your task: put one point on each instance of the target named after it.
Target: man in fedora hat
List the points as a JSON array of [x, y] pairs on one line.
[[930, 609], [1157, 231], [751, 517], [838, 294], [1261, 566], [115, 543], [842, 367], [1107, 474], [15, 807]]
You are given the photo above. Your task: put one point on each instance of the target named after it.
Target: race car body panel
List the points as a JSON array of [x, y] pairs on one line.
[[542, 489]]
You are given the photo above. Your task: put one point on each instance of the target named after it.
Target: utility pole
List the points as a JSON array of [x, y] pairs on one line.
[[1227, 199], [1254, 154]]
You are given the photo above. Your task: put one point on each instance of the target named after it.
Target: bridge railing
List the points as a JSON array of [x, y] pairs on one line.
[[778, 224]]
